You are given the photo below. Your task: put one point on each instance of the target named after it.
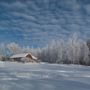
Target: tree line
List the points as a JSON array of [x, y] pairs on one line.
[[71, 51]]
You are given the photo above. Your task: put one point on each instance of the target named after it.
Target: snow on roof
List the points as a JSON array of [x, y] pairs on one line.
[[22, 55]]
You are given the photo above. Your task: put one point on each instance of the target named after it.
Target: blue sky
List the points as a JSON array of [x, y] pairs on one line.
[[37, 22]]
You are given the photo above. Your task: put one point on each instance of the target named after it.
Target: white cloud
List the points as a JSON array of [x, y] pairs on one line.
[[13, 5], [23, 15], [54, 22], [87, 8]]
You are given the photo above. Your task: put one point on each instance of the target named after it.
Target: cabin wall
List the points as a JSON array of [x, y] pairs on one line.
[[26, 59], [16, 59]]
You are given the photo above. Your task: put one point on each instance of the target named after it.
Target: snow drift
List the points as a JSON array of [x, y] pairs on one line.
[[42, 76]]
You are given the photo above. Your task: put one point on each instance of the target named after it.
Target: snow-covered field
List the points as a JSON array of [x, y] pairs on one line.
[[43, 76]]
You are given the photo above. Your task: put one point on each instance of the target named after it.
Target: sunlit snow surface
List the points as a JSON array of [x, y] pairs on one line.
[[43, 76]]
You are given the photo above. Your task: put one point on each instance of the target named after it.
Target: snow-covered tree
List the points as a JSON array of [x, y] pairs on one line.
[[85, 54], [74, 49], [14, 48]]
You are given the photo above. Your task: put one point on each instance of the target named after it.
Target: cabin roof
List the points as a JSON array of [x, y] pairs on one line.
[[22, 55]]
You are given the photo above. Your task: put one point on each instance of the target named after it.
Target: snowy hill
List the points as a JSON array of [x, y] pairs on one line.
[[43, 76]]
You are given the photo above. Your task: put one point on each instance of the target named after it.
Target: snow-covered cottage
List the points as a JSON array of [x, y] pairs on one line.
[[24, 57]]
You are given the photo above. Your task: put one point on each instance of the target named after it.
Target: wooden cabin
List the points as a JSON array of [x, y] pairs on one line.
[[24, 57]]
